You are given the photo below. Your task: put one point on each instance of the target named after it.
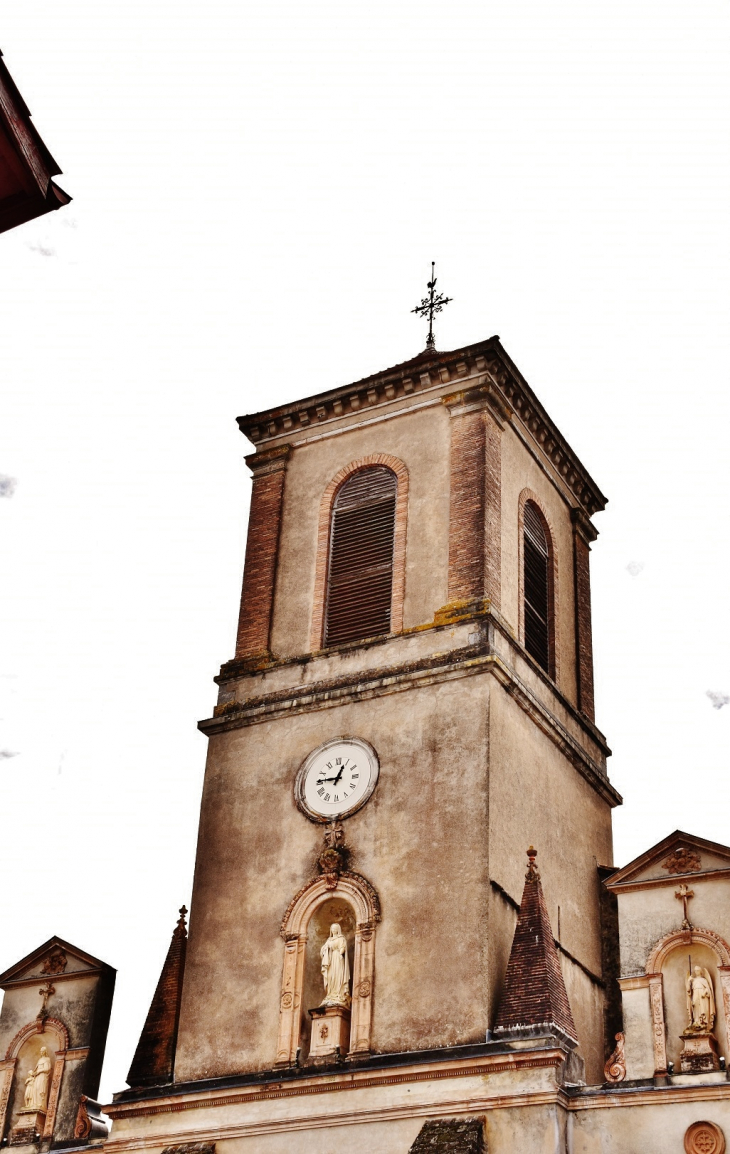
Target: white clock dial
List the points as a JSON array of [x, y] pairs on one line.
[[337, 778]]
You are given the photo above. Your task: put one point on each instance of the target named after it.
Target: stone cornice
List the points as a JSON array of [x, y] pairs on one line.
[[484, 367], [468, 661], [574, 1099], [495, 1058], [70, 976], [672, 880], [268, 460], [583, 525]]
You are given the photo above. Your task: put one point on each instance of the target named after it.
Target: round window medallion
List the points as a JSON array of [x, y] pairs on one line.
[[704, 1138]]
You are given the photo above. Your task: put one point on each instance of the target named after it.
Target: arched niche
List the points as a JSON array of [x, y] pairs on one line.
[[21, 1057], [666, 970], [304, 924]]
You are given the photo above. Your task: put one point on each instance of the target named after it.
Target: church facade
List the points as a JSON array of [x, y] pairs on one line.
[[373, 963]]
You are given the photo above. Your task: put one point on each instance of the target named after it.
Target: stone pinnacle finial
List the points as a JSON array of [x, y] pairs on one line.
[[180, 928], [533, 873]]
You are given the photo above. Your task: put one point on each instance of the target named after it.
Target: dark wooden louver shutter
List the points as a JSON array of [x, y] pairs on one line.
[[537, 589], [360, 579]]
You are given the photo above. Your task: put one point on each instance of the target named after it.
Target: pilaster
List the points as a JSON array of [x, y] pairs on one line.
[[584, 534], [262, 545], [475, 517]]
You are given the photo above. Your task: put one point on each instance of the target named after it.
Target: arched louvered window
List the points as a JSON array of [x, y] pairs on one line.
[[360, 573], [537, 588]]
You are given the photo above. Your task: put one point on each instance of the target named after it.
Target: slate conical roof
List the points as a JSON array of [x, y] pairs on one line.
[[154, 1059], [534, 991]]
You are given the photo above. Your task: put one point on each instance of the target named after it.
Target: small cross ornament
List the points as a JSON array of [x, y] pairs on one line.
[[45, 992], [333, 834], [683, 894]]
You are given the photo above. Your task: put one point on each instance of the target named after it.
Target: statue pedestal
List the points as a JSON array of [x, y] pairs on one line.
[[699, 1054], [330, 1033], [28, 1127]]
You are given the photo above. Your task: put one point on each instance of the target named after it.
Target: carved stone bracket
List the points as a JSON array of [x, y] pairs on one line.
[[615, 1068], [82, 1129]]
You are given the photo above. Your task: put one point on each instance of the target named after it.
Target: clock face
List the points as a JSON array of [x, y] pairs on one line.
[[337, 778]]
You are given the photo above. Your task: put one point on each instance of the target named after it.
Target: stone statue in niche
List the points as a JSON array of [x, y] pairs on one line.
[[36, 1084], [335, 968], [700, 1001], [699, 1046]]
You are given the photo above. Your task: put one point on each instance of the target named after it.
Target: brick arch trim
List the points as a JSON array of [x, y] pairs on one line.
[[399, 543], [553, 577]]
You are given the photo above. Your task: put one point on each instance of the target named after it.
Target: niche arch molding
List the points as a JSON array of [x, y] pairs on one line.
[[324, 525], [655, 981], [360, 895]]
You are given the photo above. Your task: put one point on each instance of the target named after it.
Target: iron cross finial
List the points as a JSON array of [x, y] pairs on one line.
[[430, 305]]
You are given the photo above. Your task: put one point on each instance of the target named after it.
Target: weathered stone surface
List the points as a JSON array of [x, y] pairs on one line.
[[451, 1136]]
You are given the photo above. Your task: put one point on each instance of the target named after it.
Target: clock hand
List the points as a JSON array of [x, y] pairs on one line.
[[339, 775]]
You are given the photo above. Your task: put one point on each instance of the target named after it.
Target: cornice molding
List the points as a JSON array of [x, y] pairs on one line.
[[272, 460], [68, 976], [496, 384], [467, 662], [673, 880], [549, 1058], [573, 1100]]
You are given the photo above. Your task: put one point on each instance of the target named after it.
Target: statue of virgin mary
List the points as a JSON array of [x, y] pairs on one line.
[[335, 968]]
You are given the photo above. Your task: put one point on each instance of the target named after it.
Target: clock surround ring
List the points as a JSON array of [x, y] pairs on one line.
[[304, 769]]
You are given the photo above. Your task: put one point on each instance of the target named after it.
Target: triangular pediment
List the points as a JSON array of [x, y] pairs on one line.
[[679, 855], [55, 959]]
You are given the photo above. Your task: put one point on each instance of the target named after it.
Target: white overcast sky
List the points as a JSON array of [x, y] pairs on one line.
[[258, 192]]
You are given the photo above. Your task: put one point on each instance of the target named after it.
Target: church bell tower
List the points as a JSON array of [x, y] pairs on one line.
[[410, 704]]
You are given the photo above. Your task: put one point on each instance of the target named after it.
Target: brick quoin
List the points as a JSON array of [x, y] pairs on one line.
[[493, 510], [262, 545], [467, 511], [583, 534]]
